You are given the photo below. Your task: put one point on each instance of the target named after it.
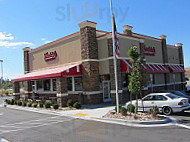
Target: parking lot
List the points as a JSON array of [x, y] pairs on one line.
[[25, 126]]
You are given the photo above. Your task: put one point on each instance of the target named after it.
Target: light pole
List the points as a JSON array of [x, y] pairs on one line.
[[1, 72]]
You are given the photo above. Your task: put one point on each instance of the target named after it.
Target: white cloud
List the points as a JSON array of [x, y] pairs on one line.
[[48, 41], [4, 36], [43, 39], [5, 41]]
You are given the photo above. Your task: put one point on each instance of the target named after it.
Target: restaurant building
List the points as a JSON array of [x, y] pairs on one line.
[[80, 66]]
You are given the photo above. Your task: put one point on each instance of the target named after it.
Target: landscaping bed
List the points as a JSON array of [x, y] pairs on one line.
[[44, 106], [138, 117]]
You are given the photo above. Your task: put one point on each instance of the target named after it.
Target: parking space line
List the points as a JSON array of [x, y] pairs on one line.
[[184, 126], [28, 127]]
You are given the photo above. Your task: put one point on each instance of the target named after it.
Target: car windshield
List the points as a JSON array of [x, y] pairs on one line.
[[172, 96], [179, 93]]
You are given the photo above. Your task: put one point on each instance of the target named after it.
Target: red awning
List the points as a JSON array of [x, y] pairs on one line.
[[156, 68], [176, 68], [151, 68], [66, 70]]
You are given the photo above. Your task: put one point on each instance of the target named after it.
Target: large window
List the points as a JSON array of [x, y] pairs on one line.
[[74, 84], [33, 85], [125, 80], [39, 84], [69, 83], [54, 85], [47, 85], [78, 84]]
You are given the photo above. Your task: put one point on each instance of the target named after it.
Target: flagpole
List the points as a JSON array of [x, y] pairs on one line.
[[115, 63]]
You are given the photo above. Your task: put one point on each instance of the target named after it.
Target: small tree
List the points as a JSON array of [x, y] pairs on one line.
[[134, 82], [142, 77]]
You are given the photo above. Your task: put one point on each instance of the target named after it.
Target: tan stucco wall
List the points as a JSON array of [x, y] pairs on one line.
[[68, 50], [125, 44], [173, 55], [102, 54], [159, 78], [177, 77], [158, 58]]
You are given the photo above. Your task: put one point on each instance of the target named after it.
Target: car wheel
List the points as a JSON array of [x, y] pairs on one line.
[[167, 110]]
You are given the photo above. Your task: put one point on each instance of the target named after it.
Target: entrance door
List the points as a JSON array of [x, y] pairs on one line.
[[106, 91]]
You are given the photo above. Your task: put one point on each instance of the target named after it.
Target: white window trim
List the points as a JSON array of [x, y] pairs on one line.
[[78, 68]]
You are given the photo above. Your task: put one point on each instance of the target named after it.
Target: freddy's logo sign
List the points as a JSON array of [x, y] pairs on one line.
[[151, 51], [50, 56]]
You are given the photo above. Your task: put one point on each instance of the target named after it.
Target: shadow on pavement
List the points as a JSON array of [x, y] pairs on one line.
[[183, 117], [97, 106]]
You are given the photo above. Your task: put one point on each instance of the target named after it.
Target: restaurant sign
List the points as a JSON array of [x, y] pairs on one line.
[[151, 51], [50, 56]]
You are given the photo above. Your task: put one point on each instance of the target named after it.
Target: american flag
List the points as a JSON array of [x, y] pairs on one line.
[[117, 53]]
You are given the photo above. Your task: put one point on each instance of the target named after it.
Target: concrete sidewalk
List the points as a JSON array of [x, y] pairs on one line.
[[89, 111]]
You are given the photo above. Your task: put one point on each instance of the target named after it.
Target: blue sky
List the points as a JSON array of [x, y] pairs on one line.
[[36, 22]]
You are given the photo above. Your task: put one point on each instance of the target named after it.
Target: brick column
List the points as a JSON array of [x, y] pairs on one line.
[[62, 91], [16, 90], [90, 69], [27, 85], [112, 74], [165, 58], [127, 30], [181, 61]]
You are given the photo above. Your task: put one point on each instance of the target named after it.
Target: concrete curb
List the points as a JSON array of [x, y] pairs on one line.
[[165, 121], [157, 123], [3, 140]]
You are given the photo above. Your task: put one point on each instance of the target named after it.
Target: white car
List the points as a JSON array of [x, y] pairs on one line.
[[166, 102]]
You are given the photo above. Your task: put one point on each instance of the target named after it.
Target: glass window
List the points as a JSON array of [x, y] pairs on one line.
[[125, 79], [78, 84], [161, 98], [149, 98], [104, 78], [47, 85], [69, 83], [32, 85], [39, 85], [54, 85], [172, 96]]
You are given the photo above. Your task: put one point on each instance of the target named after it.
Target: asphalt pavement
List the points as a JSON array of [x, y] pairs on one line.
[[27, 126]]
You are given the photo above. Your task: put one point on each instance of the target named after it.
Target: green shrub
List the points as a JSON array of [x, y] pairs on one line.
[[123, 111], [29, 104], [47, 105], [35, 105], [69, 103], [77, 105], [8, 101], [15, 102], [41, 105], [12, 102], [154, 111], [131, 109], [119, 108], [24, 104], [19, 103], [55, 106]]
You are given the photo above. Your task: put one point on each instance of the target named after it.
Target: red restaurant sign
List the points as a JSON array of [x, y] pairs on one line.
[[50, 56], [149, 51]]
